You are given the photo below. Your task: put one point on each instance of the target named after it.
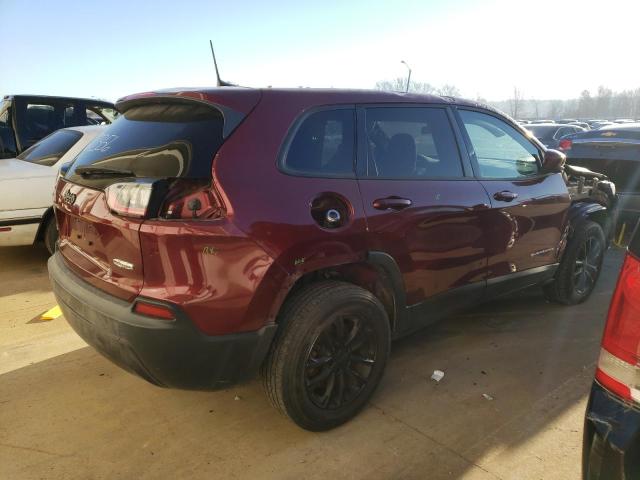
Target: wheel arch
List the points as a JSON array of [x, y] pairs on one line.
[[585, 211], [378, 273]]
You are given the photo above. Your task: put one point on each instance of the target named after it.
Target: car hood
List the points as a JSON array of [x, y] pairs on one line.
[[11, 168]]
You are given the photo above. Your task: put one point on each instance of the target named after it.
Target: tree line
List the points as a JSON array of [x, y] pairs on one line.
[[604, 103], [399, 84]]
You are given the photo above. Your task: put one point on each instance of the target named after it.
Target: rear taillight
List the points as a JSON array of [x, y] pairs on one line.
[[565, 144], [129, 199], [191, 199], [171, 199], [619, 363]]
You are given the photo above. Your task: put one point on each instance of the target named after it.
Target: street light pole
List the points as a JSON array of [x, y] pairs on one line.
[[409, 76]]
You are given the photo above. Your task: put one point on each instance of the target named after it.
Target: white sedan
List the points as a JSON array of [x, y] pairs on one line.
[[27, 183]]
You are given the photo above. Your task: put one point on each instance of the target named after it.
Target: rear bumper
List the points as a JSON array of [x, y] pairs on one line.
[[611, 447], [167, 353]]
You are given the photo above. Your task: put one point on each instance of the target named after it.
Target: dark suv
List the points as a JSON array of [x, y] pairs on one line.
[[208, 234], [26, 119]]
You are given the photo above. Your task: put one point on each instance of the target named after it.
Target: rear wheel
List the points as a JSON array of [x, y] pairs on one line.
[[51, 235], [330, 355], [580, 266]]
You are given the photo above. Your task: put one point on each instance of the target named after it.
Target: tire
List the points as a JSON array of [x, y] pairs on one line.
[[580, 266], [329, 356], [51, 235]]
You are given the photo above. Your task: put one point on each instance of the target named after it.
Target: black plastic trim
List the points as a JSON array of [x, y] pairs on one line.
[[513, 282], [12, 222], [387, 263]]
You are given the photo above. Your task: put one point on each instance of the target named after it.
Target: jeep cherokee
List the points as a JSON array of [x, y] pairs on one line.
[[211, 234]]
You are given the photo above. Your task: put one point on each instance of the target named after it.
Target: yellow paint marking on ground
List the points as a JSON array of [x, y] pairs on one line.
[[51, 314]]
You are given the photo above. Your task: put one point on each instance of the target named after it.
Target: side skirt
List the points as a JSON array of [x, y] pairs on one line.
[[445, 304]]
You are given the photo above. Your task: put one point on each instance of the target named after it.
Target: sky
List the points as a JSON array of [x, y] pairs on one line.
[[547, 49]]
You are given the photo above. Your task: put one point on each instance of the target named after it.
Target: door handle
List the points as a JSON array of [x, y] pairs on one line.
[[391, 203], [505, 196]]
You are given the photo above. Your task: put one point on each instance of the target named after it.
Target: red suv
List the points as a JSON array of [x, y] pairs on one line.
[[208, 234]]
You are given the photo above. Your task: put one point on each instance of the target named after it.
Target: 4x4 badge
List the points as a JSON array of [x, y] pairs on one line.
[[69, 198]]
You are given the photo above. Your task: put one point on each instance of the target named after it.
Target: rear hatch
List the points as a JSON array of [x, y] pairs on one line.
[[122, 178]]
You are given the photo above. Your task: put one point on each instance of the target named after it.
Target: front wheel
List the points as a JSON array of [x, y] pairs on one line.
[[580, 266], [330, 355]]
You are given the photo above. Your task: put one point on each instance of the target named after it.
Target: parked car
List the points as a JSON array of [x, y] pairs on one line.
[[615, 151], [207, 234], [26, 119], [600, 124], [583, 125], [550, 134], [542, 121], [27, 184], [611, 446], [567, 120], [624, 120]]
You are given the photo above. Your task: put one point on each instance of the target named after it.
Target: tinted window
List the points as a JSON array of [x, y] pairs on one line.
[[156, 141], [50, 149], [410, 142], [36, 121], [323, 144], [501, 151], [542, 132], [36, 118], [562, 132]]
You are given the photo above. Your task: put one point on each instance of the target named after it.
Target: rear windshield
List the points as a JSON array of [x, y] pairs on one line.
[[50, 149], [155, 141]]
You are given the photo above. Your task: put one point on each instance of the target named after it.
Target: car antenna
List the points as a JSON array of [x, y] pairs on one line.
[[220, 82]]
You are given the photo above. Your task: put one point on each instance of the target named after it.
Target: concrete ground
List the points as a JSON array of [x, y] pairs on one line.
[[66, 412]]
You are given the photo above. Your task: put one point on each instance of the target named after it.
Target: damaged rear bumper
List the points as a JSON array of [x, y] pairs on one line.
[[611, 447]]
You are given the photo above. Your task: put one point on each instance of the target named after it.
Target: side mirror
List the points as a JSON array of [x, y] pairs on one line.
[[553, 161]]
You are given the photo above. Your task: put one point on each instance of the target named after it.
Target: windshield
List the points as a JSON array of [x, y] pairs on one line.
[[50, 149], [155, 141]]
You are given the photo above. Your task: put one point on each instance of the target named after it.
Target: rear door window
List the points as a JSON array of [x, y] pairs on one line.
[[323, 145], [155, 141], [410, 143], [51, 149]]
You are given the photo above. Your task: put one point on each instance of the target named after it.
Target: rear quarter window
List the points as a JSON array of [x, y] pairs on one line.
[[322, 145]]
